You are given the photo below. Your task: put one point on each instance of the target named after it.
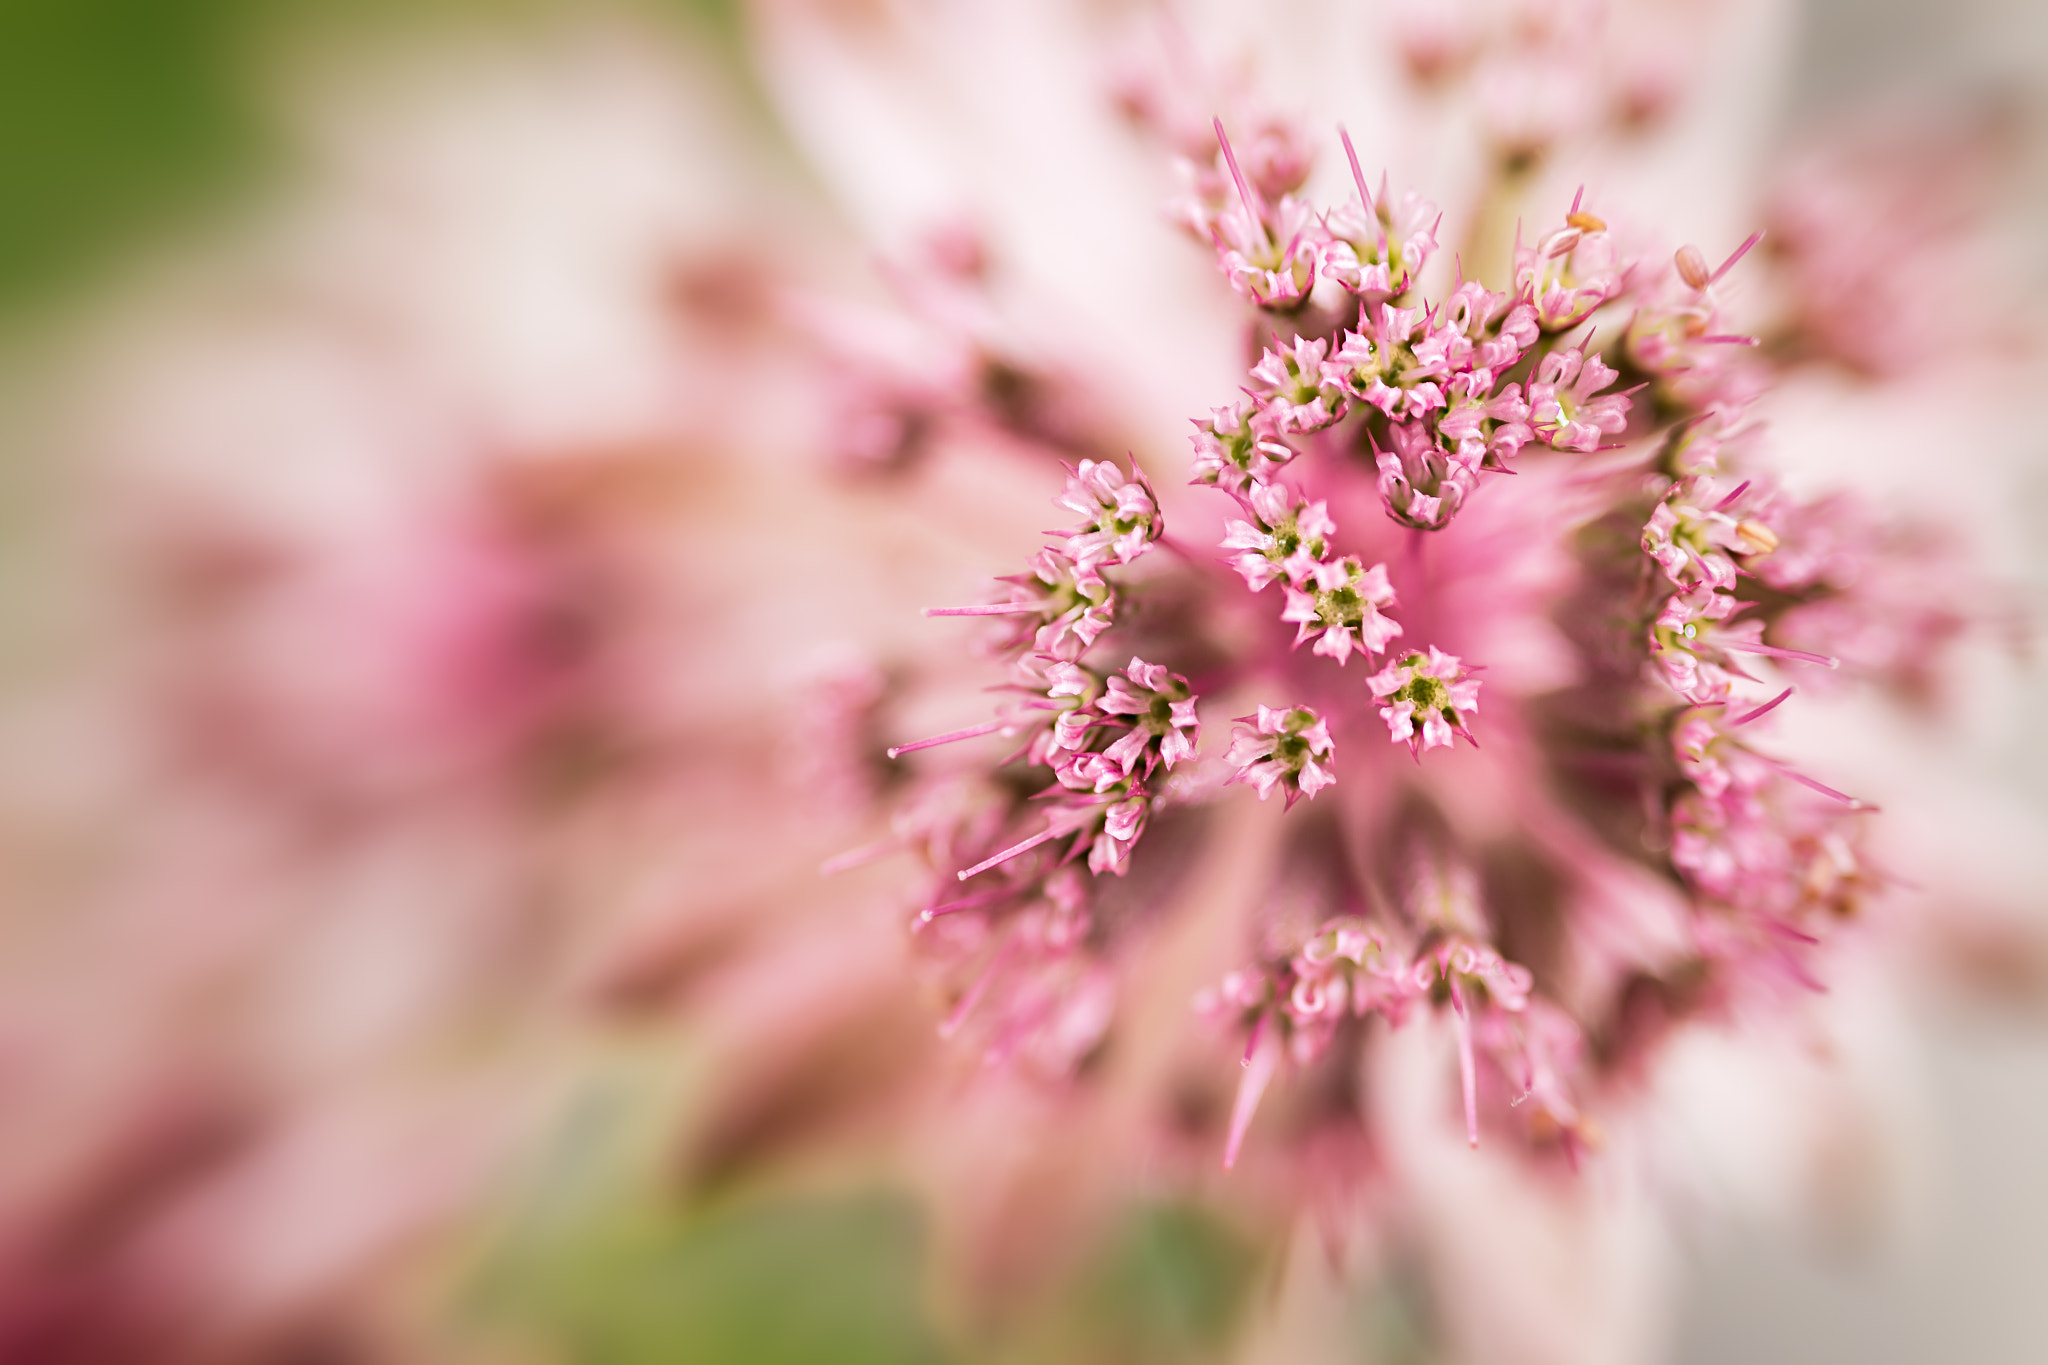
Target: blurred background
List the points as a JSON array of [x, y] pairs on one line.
[[362, 721]]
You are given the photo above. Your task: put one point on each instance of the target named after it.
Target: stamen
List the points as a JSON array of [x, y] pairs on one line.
[[858, 857], [1051, 831], [1358, 178], [1784, 930], [976, 991], [985, 609], [1244, 191], [971, 732], [1728, 339], [1740, 489], [1462, 1026], [1259, 1067], [1740, 252], [1772, 651], [1787, 770], [932, 912], [1763, 710]]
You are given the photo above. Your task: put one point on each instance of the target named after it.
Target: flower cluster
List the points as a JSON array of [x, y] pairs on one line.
[[1696, 571], [1759, 844], [1104, 734], [1292, 1006], [1439, 389]]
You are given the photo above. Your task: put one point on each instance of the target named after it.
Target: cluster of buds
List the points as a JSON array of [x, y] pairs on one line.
[[1291, 1007], [1104, 734], [1700, 537], [1748, 833], [1435, 384], [1432, 384], [1756, 838], [1332, 599]]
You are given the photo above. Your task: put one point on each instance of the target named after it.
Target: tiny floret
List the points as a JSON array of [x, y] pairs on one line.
[[1289, 750], [1340, 606], [1428, 698], [1122, 516]]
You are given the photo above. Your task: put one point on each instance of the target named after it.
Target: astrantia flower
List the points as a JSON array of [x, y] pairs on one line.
[[1233, 451], [1288, 749], [1287, 537], [1625, 856], [563, 684], [1444, 397], [1429, 697], [1294, 394], [1122, 515], [1563, 406], [1339, 605], [1568, 273]]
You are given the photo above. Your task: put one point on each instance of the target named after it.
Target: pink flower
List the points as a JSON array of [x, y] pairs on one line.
[[1056, 609], [1287, 536], [1340, 606], [1269, 256], [1568, 273], [1234, 451], [1562, 406], [1700, 529], [1429, 697], [1422, 484], [1290, 750], [1375, 247], [1122, 515], [1381, 364], [1294, 393], [1162, 717]]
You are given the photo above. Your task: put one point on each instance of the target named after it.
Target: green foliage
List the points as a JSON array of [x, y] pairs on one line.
[[799, 1281], [1169, 1288], [112, 113], [122, 118]]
